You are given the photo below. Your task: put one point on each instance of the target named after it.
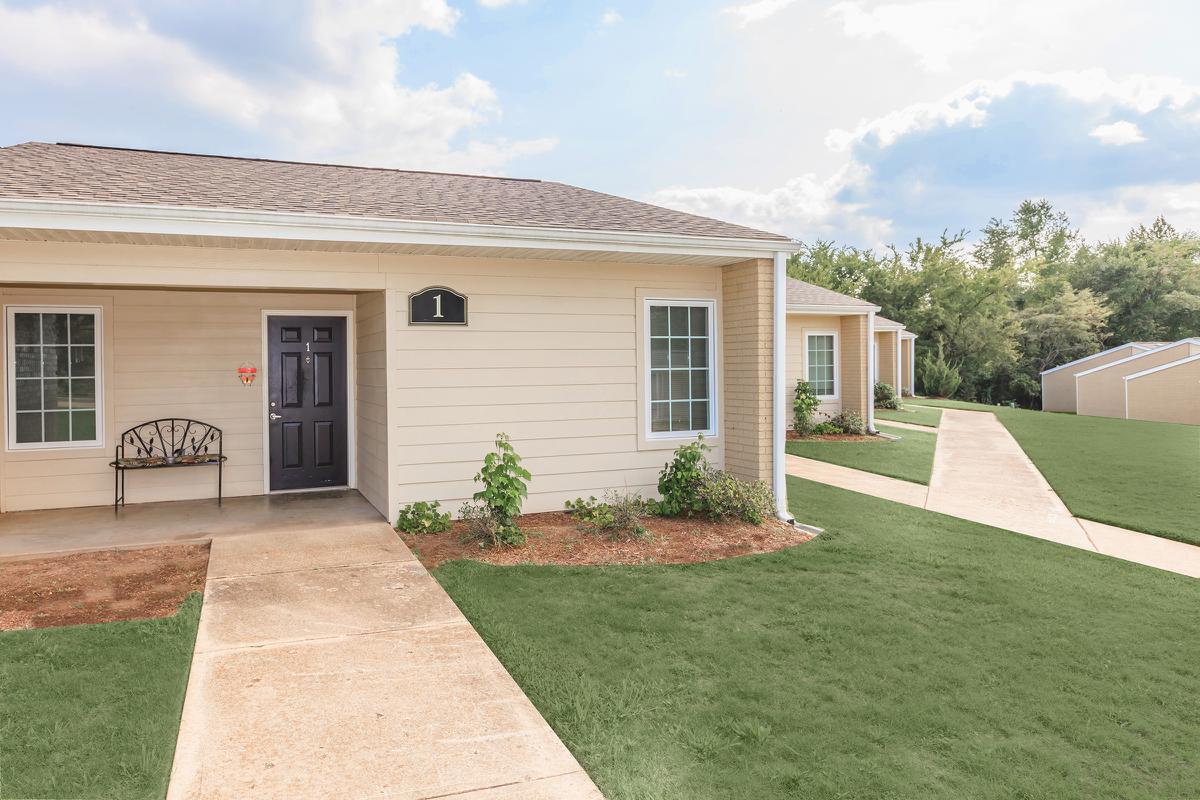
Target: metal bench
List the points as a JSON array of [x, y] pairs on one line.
[[167, 443]]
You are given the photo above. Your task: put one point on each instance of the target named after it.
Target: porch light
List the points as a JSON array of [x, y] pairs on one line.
[[246, 373]]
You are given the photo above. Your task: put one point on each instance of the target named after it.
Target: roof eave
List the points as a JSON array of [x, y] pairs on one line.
[[241, 223], [832, 310]]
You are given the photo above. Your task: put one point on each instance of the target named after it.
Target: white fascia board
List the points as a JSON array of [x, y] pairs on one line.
[[1161, 367], [1093, 355], [1136, 356], [239, 223], [907, 335], [883, 326], [831, 310]]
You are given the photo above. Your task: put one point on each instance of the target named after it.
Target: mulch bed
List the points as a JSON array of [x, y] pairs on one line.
[[102, 586], [556, 538], [834, 437]]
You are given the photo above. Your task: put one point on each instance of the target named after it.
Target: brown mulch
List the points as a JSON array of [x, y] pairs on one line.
[[556, 538], [834, 437], [102, 586]]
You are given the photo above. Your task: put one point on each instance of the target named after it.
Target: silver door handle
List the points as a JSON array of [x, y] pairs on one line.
[[275, 416]]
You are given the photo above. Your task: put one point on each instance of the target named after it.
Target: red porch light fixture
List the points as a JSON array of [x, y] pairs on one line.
[[246, 373]]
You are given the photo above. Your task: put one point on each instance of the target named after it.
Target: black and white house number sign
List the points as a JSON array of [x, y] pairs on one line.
[[437, 305]]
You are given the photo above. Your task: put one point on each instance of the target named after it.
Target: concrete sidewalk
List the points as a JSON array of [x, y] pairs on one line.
[[981, 474], [331, 664]]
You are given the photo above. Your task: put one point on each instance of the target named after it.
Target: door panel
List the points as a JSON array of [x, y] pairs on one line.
[[307, 397]]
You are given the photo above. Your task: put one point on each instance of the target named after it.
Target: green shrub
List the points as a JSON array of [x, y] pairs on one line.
[[679, 478], [849, 422], [725, 496], [619, 515], [505, 484], [804, 406], [939, 377], [825, 428], [885, 396], [422, 517]]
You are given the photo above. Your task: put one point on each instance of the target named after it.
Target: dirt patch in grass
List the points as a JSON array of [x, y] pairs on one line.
[[833, 437], [556, 538], [102, 586]]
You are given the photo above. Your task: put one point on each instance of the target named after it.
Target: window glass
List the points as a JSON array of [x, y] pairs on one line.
[[821, 364], [53, 377], [680, 375]]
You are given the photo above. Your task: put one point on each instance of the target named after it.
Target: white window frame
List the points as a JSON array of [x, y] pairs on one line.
[[648, 401], [837, 364], [10, 367]]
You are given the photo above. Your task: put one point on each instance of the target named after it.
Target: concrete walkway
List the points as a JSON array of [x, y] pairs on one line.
[[330, 664], [981, 474]]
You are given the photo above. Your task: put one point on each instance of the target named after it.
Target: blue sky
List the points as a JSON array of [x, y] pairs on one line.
[[864, 122]]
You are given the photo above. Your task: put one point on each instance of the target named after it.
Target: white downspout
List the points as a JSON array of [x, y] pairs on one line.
[[871, 372], [779, 380]]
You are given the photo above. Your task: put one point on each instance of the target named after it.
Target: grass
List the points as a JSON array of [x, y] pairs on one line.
[[910, 458], [92, 711], [1139, 475], [901, 654], [913, 415]]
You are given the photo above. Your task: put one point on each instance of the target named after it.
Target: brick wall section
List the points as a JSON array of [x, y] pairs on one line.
[[886, 341], [747, 311], [856, 381]]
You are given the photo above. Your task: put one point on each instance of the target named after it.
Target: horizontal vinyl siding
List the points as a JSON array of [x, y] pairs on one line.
[[1058, 388], [1170, 395], [1102, 394], [371, 426], [167, 354], [549, 357], [796, 357]]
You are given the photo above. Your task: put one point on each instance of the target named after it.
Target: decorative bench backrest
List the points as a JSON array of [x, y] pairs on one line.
[[170, 439]]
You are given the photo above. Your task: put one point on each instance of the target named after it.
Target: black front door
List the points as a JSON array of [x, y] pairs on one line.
[[306, 409]]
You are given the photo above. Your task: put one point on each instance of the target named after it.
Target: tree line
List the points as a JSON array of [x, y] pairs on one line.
[[1028, 295]]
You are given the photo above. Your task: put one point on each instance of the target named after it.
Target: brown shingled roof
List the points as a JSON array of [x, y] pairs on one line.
[[800, 293], [39, 171]]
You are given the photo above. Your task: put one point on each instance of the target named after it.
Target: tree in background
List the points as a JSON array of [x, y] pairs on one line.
[[1029, 295]]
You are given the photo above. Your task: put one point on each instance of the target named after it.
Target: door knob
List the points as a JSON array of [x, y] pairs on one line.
[[275, 416]]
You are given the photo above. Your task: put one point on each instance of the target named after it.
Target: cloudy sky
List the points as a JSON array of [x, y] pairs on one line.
[[864, 122]]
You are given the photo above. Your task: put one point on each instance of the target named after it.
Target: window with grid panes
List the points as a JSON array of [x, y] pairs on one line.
[[681, 377], [53, 377], [821, 364]]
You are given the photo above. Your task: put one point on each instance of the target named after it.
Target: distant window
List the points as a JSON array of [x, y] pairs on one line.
[[681, 369], [822, 364], [53, 377]]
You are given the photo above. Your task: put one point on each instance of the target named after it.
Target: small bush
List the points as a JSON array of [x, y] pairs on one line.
[[618, 515], [725, 496], [939, 377], [484, 527], [804, 406], [422, 517], [826, 428], [849, 422], [505, 484], [679, 478], [885, 396]]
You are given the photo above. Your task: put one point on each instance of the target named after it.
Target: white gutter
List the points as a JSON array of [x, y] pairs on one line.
[[871, 373], [831, 310], [242, 223], [778, 383]]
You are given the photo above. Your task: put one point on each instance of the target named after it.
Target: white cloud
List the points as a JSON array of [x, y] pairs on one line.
[[349, 107], [1114, 216], [500, 3], [672, 72], [805, 207], [935, 31], [1118, 133], [610, 17], [969, 104], [756, 11]]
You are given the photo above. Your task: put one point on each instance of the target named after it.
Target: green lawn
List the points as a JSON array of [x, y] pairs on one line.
[[901, 654], [92, 711], [912, 414], [1139, 475], [909, 459]]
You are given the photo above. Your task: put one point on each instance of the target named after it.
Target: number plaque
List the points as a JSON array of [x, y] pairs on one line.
[[437, 305]]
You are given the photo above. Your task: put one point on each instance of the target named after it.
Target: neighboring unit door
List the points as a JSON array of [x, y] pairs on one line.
[[306, 403]]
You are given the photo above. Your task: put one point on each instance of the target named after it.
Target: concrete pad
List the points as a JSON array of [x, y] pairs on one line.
[[980, 473], [898, 491], [1143, 548], [421, 713], [255, 554], [908, 426], [575, 785], [278, 607]]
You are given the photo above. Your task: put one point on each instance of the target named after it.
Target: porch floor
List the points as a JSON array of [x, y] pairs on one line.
[[30, 533]]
